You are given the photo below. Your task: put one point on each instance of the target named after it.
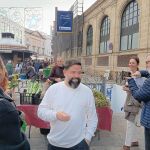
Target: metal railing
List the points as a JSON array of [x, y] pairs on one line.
[[97, 86]]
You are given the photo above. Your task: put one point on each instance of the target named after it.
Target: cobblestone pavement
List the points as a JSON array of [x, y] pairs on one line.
[[108, 140]]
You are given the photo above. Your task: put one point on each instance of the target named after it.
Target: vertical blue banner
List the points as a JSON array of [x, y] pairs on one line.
[[64, 21]]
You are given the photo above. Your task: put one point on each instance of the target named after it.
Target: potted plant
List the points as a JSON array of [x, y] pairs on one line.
[[100, 99], [103, 109], [12, 84]]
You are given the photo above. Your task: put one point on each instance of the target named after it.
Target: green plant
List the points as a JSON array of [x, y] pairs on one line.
[[13, 81], [100, 99], [13, 84]]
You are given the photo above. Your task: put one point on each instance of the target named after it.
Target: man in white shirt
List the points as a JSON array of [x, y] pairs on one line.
[[69, 106], [18, 68]]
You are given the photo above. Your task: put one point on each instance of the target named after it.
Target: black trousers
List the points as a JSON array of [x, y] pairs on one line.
[[147, 138], [81, 146]]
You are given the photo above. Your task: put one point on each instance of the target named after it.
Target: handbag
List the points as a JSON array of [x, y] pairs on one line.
[[131, 105]]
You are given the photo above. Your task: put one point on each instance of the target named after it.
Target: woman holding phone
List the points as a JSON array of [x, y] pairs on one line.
[[132, 108]]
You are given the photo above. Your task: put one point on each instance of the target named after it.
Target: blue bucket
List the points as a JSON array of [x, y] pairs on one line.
[[23, 76]]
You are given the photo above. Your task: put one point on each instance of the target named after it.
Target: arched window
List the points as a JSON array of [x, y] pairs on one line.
[[104, 35], [89, 42], [130, 27]]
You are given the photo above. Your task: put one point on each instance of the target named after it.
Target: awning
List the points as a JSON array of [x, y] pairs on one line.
[[12, 47], [5, 51], [37, 57]]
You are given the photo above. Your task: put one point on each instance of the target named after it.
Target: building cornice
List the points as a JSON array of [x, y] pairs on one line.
[[34, 33], [11, 47], [93, 7], [98, 3]]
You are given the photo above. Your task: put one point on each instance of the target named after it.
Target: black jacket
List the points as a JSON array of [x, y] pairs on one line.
[[57, 72], [11, 137]]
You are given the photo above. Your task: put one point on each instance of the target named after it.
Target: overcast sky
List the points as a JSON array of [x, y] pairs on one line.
[[48, 7]]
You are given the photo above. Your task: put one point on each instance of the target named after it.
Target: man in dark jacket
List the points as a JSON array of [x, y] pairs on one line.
[[57, 74], [30, 72], [143, 95]]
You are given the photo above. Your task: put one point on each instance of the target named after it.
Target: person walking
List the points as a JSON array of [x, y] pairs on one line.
[[37, 66], [57, 74], [30, 72], [132, 108], [11, 137], [9, 67], [142, 94], [18, 68], [69, 106]]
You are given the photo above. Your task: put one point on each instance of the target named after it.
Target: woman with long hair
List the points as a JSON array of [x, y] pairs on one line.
[[132, 108], [11, 137]]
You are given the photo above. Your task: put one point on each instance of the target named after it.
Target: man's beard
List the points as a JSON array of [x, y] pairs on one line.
[[74, 82]]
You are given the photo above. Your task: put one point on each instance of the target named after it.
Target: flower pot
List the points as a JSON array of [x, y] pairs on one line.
[[104, 115]]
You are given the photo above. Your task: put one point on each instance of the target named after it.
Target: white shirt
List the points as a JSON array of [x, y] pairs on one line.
[[79, 104], [18, 68]]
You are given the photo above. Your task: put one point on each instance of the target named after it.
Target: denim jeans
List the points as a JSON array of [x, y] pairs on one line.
[[81, 146], [147, 138]]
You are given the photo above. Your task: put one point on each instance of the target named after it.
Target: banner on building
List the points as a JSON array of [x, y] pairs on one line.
[[64, 21]]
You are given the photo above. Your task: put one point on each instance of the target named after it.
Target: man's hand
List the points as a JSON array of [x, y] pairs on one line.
[[87, 141], [125, 88], [62, 116], [137, 74], [48, 81], [126, 78], [58, 79]]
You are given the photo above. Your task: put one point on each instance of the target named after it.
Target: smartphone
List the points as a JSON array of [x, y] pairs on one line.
[[125, 74]]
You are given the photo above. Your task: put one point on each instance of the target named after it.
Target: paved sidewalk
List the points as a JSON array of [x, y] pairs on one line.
[[108, 140]]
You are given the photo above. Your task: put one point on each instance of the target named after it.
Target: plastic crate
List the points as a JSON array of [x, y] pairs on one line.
[[23, 76], [28, 98]]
